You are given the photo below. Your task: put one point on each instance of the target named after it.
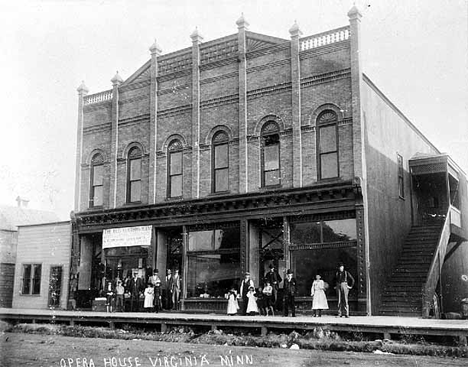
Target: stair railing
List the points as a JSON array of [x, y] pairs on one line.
[[435, 270]]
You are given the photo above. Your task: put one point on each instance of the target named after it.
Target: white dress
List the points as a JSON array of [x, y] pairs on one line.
[[317, 291], [233, 305], [252, 304], [149, 297]]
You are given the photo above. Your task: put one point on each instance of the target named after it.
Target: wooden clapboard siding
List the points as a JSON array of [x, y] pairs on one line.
[[48, 245]]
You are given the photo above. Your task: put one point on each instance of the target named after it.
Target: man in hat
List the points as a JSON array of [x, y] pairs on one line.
[[136, 287], [244, 289], [289, 289], [343, 279], [274, 279]]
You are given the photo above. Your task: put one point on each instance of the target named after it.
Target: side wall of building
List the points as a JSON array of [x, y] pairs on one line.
[[48, 245], [388, 135]]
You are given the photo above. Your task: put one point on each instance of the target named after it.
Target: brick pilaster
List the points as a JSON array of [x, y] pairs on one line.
[[82, 92], [242, 26], [196, 41], [155, 52], [296, 105], [116, 81]]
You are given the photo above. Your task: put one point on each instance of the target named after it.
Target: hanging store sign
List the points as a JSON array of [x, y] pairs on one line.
[[126, 237]]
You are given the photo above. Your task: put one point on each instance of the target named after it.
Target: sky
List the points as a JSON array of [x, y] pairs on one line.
[[415, 51]]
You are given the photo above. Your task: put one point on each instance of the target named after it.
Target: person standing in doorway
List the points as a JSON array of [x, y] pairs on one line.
[[342, 280], [119, 297], [275, 279], [244, 290], [319, 300], [136, 286], [169, 288], [175, 290], [289, 288]]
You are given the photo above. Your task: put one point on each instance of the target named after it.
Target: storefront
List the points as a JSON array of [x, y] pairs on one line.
[[212, 249]]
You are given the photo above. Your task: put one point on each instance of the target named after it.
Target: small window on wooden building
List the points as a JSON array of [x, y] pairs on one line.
[[31, 279], [97, 181], [270, 154], [327, 142], [134, 175], [220, 165], [175, 169], [401, 177]]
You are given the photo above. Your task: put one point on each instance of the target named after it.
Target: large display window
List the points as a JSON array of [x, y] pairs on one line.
[[318, 247], [213, 260]]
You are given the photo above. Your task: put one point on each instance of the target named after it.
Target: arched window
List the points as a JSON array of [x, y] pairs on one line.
[[270, 154], [134, 175], [175, 169], [220, 162], [97, 181], [327, 143]]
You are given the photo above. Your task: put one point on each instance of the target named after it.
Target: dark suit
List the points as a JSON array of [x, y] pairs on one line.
[[288, 296], [275, 279], [136, 286]]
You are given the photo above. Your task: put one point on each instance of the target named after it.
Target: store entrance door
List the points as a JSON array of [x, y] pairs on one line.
[[55, 286]]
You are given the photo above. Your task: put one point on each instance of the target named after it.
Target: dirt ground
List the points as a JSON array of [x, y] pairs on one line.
[[17, 350]]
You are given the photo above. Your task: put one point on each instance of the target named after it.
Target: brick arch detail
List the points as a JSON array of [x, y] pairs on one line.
[[134, 144], [270, 117], [172, 137], [215, 130], [93, 153], [327, 106]]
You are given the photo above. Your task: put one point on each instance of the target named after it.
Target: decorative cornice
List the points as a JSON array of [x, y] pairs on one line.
[[215, 64], [174, 75], [269, 50], [234, 74], [134, 120], [278, 88], [254, 69], [234, 98], [174, 89], [97, 128], [341, 194], [326, 49], [133, 86], [180, 110], [325, 77]]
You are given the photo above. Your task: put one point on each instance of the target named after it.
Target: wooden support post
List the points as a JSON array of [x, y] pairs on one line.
[[387, 335], [72, 322], [214, 327], [163, 328], [33, 321], [112, 324], [264, 331]]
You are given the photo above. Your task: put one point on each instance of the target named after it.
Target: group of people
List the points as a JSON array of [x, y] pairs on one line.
[[263, 301], [153, 295]]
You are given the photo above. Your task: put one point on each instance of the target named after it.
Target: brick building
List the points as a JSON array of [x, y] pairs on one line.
[[251, 150]]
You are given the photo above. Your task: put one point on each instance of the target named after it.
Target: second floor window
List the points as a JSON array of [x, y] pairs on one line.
[[270, 155], [97, 181], [175, 169], [220, 165], [401, 182], [134, 175], [327, 143]]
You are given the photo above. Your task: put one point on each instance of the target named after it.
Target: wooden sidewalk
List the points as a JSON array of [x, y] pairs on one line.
[[386, 326]]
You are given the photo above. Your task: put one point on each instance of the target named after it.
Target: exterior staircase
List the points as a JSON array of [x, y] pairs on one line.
[[403, 294]]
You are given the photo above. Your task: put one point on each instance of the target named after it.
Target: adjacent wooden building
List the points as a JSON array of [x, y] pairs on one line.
[[249, 150]]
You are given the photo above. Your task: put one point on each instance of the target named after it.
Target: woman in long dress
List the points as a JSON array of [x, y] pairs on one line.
[[252, 307], [319, 301], [149, 298]]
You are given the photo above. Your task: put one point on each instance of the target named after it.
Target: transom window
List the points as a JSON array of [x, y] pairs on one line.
[[31, 279], [175, 169], [220, 162], [327, 143], [134, 175], [97, 181], [270, 154]]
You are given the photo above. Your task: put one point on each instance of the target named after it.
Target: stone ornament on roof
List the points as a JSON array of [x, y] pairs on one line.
[[354, 13], [242, 23], [196, 35], [294, 30], [155, 48], [117, 79], [82, 88]]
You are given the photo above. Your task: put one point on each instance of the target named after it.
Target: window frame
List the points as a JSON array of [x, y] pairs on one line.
[[269, 130], [175, 147], [134, 154], [323, 122], [96, 161], [401, 176], [32, 279], [219, 139]]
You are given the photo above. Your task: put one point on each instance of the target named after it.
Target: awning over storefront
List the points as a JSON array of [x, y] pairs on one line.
[[127, 237]]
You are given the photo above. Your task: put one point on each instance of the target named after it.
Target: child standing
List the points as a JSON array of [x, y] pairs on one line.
[[233, 305], [149, 298], [252, 302], [268, 299], [119, 297], [319, 301], [109, 296]]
